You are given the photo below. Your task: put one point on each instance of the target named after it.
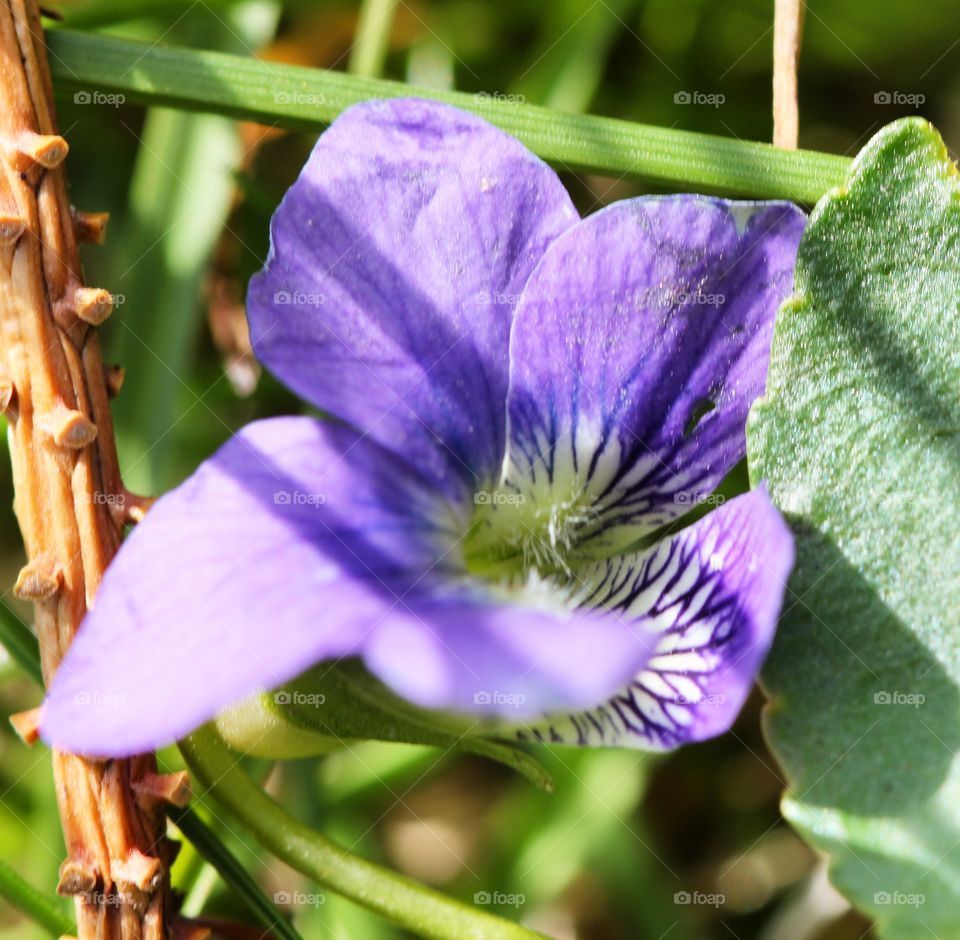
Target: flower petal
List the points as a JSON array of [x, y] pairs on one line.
[[474, 652], [396, 261], [299, 541], [285, 547], [640, 342], [710, 596]]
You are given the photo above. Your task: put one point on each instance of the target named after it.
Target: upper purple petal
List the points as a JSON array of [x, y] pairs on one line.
[[641, 340], [396, 261]]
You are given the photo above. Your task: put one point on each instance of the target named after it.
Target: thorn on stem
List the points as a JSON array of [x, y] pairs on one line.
[[76, 877], [8, 395], [90, 227], [114, 376], [38, 579], [12, 226], [68, 427], [92, 304], [46, 150], [131, 508], [171, 788], [27, 725]]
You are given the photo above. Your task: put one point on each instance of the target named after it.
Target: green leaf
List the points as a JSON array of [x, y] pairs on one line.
[[309, 99], [857, 438], [337, 702]]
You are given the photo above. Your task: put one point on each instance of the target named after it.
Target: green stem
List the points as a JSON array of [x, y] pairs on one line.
[[20, 643], [310, 99], [373, 37], [35, 904], [408, 904], [208, 844]]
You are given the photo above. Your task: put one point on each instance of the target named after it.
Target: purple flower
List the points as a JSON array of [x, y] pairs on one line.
[[525, 397]]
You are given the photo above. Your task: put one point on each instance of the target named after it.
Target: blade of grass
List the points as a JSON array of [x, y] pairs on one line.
[[373, 37], [209, 845], [309, 99], [35, 904], [20, 643]]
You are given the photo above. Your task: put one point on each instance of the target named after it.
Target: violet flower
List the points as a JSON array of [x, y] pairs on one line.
[[524, 395]]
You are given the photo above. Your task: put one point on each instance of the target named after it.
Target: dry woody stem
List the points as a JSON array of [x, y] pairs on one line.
[[787, 36], [54, 390]]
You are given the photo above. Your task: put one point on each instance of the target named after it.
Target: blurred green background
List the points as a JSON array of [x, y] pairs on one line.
[[689, 846]]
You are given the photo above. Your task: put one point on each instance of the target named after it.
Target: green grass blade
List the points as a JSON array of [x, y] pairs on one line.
[[20, 643], [209, 845], [373, 37], [309, 99], [35, 904]]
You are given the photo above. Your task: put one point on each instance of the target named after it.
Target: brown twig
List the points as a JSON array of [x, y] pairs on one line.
[[787, 35], [54, 389]]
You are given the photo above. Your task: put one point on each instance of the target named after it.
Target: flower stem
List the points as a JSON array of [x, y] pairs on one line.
[[54, 392], [415, 907]]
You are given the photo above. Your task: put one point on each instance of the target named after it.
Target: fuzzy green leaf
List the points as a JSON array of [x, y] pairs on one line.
[[857, 438]]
